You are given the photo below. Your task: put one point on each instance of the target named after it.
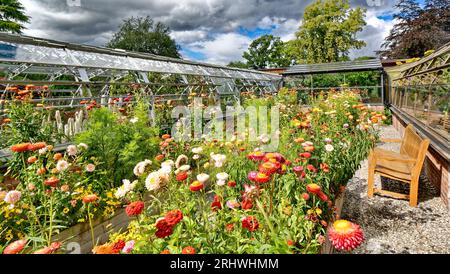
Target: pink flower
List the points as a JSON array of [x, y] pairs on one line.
[[62, 165], [128, 247], [90, 167], [252, 175], [72, 150], [13, 197]]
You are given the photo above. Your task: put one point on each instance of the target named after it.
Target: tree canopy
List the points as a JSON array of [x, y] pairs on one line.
[[266, 51], [418, 29], [143, 35], [12, 16], [237, 64], [328, 32]]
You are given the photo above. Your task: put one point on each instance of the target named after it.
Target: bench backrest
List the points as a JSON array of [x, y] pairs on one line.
[[414, 146]]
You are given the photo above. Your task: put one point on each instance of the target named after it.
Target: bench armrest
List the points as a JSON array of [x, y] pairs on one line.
[[391, 140]]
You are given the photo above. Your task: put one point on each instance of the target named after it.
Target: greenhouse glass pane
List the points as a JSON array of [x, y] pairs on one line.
[[35, 54]]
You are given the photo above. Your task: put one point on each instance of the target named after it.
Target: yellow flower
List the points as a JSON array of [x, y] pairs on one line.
[[109, 195], [81, 220], [318, 211], [309, 212], [66, 210]]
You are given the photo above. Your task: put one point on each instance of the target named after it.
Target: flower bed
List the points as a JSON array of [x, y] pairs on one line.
[[207, 196]]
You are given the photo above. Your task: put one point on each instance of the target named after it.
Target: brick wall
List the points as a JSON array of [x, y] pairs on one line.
[[436, 168]]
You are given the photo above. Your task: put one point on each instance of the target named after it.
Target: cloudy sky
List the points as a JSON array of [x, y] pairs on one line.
[[215, 31]]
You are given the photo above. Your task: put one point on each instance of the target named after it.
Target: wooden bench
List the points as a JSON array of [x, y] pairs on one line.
[[405, 166]]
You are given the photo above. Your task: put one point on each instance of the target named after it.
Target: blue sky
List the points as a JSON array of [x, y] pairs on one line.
[[215, 31]]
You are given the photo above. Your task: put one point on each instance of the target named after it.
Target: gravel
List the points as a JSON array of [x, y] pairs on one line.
[[390, 225]]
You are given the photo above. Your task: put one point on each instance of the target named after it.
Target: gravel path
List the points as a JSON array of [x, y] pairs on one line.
[[391, 225]]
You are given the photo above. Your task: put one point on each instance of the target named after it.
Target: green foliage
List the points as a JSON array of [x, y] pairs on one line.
[[141, 34], [11, 16], [327, 32], [265, 52], [116, 142], [238, 64]]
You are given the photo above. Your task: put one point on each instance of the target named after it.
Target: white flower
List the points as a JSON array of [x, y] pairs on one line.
[[329, 147], [197, 150], [120, 192], [166, 169], [167, 163], [264, 138], [219, 159], [153, 182], [125, 188], [221, 178], [184, 168], [307, 144], [62, 165], [139, 169], [134, 120], [179, 159], [13, 197], [72, 150], [202, 177], [196, 157], [83, 145], [90, 167], [43, 150]]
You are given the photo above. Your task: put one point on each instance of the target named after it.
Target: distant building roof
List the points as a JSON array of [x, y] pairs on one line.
[[360, 65]]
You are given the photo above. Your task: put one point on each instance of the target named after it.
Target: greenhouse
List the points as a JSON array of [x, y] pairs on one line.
[[112, 151]]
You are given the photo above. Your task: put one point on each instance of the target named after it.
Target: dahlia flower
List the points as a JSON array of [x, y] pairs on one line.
[[188, 250], [134, 208], [153, 182], [345, 235], [139, 169], [173, 217], [163, 228]]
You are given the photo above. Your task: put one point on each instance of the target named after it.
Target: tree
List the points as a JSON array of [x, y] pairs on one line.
[[328, 32], [266, 51], [418, 29], [143, 35], [11, 16], [237, 64]]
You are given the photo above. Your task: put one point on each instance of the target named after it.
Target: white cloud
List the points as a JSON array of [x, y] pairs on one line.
[[223, 48], [189, 36]]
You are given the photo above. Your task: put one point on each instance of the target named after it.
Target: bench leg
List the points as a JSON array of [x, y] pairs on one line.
[[413, 192], [371, 175]]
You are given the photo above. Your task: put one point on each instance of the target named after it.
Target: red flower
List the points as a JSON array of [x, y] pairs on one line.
[[15, 247], [90, 198], [305, 196], [165, 251], [345, 235], [247, 204], [313, 188], [31, 159], [37, 146], [256, 156], [118, 246], [229, 227], [324, 167], [277, 157], [215, 205], [262, 178], [164, 228], [269, 167], [55, 246], [231, 183], [290, 242], [45, 250], [21, 147], [196, 186], [173, 217], [52, 181], [305, 155], [250, 223], [188, 250], [181, 176], [322, 196], [311, 168], [134, 208]]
